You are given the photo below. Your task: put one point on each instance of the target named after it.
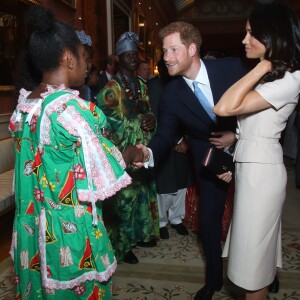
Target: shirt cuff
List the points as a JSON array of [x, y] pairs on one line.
[[180, 140], [150, 160]]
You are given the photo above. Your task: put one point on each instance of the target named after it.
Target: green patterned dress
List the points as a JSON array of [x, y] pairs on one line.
[[133, 217], [64, 168]]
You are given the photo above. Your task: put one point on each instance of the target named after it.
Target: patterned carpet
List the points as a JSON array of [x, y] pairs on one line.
[[174, 270]]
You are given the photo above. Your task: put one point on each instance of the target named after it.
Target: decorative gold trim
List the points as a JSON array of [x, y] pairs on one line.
[[141, 30], [30, 1], [7, 88], [122, 6], [70, 3]]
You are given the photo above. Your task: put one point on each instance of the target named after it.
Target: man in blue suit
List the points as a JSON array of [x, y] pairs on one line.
[[181, 111]]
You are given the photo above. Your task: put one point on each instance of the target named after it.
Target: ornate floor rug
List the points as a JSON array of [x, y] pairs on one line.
[[175, 270]]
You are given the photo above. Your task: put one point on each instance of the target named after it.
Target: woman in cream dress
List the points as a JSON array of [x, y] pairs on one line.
[[263, 100]]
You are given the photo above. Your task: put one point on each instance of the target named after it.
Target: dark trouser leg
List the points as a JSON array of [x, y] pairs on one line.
[[297, 166], [212, 203]]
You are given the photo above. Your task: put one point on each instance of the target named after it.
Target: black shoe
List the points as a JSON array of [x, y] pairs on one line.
[[164, 233], [130, 258], [180, 228], [205, 293], [274, 286], [151, 243]]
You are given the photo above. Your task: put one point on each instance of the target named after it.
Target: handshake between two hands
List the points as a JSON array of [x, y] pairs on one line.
[[136, 155]]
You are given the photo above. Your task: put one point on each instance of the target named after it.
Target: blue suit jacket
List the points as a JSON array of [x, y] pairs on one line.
[[181, 113]]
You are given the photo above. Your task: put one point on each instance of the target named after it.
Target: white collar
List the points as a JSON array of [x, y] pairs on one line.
[[109, 77], [201, 77]]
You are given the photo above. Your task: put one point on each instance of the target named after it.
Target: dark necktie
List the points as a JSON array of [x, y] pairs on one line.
[[204, 102]]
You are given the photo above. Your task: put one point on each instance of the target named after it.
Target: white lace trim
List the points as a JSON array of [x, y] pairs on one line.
[[98, 167]]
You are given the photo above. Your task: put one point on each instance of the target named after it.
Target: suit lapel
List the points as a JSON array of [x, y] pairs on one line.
[[216, 78], [190, 100]]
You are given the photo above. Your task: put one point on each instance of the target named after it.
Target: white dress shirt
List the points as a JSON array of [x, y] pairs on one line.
[[203, 83]]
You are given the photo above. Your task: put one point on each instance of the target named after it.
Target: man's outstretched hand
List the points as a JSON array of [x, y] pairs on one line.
[[146, 153]]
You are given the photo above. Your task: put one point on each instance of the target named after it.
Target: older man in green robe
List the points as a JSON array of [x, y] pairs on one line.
[[133, 219]]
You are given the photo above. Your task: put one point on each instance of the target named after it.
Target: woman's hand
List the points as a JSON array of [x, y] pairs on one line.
[[133, 154], [222, 139], [263, 67], [227, 177]]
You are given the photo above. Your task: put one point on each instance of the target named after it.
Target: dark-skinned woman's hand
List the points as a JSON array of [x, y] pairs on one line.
[[132, 154]]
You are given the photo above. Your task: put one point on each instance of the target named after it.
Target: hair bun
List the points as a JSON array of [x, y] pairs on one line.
[[40, 18]]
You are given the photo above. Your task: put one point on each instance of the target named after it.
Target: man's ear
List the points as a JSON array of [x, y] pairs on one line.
[[192, 49]]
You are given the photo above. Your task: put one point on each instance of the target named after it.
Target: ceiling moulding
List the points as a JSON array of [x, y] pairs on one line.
[[123, 6], [207, 10], [166, 9], [30, 1], [182, 4]]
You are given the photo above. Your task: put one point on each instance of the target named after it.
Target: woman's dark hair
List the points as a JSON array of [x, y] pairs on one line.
[[49, 38], [277, 28], [47, 41]]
